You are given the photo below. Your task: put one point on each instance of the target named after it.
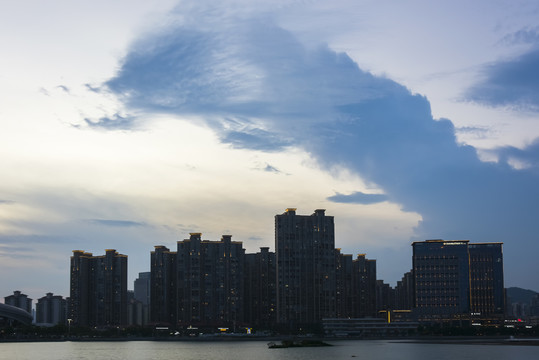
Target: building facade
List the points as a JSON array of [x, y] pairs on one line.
[[20, 300], [260, 289], [457, 281], [51, 310], [163, 286], [209, 281], [306, 269], [98, 289]]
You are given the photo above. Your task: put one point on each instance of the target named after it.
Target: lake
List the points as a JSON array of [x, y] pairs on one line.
[[258, 350]]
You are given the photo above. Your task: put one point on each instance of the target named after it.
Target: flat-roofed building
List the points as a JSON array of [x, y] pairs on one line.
[[456, 280], [306, 270], [98, 289]]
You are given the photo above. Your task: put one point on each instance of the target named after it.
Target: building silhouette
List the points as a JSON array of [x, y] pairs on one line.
[[138, 305], [306, 268], [98, 289], [210, 281], [51, 310], [201, 284], [458, 281], [141, 287], [260, 289], [163, 292], [487, 295], [20, 300]]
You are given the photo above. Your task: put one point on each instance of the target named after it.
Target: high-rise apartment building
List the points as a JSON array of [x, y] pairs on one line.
[[455, 280], [356, 286], [20, 300], [260, 291], [209, 281], [200, 284], [306, 271], [98, 289], [163, 293], [51, 310]]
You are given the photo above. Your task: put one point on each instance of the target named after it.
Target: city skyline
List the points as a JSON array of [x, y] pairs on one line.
[[130, 125]]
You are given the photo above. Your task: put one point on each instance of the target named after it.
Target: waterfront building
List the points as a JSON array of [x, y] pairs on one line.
[[385, 296], [98, 289], [487, 294], [458, 281], [343, 278], [163, 293], [404, 292], [20, 300], [260, 289], [364, 286], [51, 310], [306, 271], [367, 327], [356, 286], [210, 282]]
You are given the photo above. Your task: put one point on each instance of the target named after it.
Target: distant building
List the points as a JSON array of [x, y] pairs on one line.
[[345, 297], [306, 270], [98, 289], [142, 287], [19, 300], [458, 281], [486, 281], [210, 281], [404, 292], [163, 292], [364, 286], [140, 305], [385, 296], [260, 289], [201, 284], [51, 310]]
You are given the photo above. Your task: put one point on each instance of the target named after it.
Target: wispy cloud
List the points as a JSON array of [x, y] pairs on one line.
[[358, 197], [116, 122], [117, 223]]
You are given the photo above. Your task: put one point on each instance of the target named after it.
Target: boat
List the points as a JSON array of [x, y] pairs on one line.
[[302, 343]]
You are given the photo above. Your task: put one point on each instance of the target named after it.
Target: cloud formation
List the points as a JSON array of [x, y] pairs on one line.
[[510, 83], [117, 223], [358, 198], [281, 93]]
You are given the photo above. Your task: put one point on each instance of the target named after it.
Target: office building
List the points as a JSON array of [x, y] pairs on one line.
[[306, 271], [486, 281], [457, 281], [51, 310], [19, 300], [98, 289]]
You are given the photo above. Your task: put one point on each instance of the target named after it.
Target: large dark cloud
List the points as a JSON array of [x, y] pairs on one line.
[[281, 93]]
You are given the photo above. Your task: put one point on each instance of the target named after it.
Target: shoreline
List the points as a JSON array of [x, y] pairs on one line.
[[446, 340]]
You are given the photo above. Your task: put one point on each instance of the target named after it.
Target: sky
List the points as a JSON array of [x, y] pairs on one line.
[[129, 124]]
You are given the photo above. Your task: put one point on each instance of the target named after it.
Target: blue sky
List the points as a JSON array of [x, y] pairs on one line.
[[129, 125]]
